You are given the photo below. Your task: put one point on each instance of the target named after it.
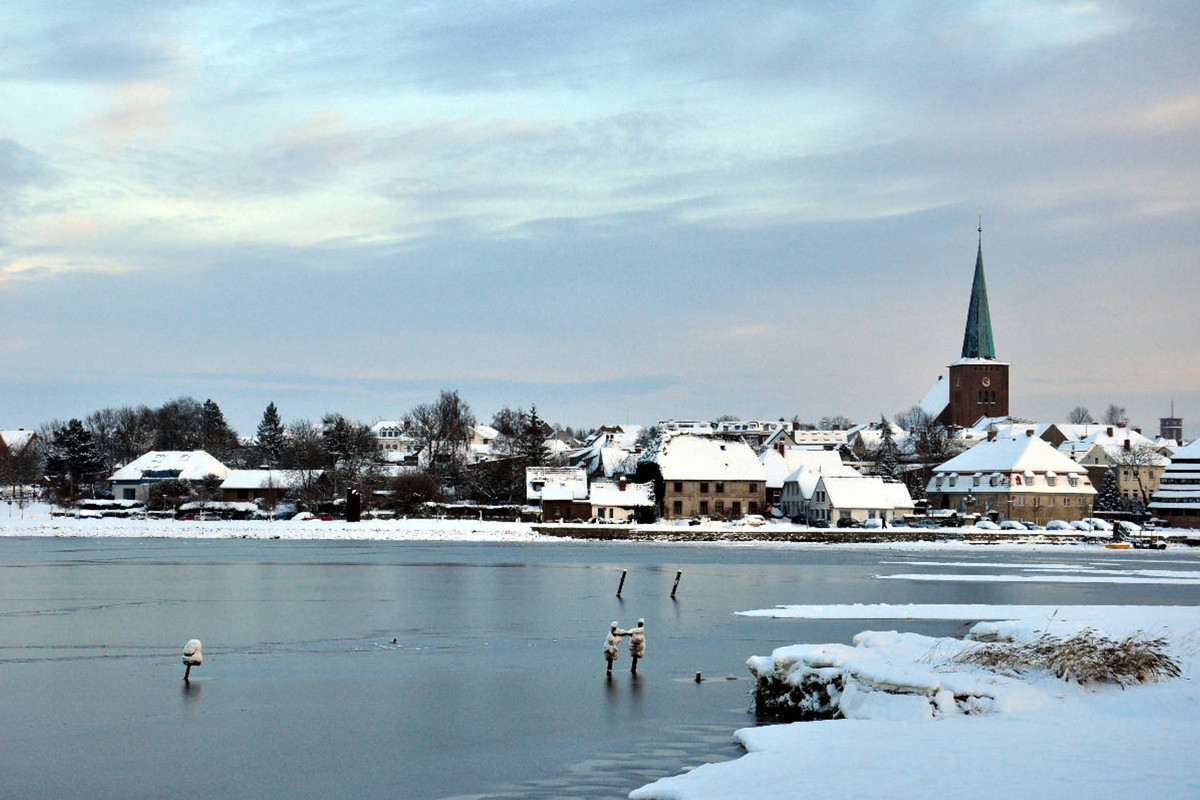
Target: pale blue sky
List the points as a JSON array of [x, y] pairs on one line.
[[616, 211]]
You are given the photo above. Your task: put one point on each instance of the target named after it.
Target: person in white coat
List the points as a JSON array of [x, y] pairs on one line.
[[612, 644], [637, 643]]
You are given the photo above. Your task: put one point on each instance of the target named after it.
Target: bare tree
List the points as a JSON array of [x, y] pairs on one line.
[[1079, 415], [1140, 460], [1115, 415], [443, 429], [305, 457], [837, 422]]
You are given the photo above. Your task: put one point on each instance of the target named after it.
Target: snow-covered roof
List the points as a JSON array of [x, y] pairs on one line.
[[261, 479], [1015, 454], [188, 465], [555, 483], [862, 491], [936, 399], [683, 457], [607, 493]]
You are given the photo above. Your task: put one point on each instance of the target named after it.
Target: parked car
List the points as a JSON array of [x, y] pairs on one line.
[[873, 523], [926, 523], [1012, 525], [1098, 524], [987, 525], [1126, 527], [1058, 525], [1082, 525], [818, 523], [848, 522], [753, 520]]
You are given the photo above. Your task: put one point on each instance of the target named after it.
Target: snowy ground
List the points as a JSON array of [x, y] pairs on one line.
[[37, 521], [906, 733]]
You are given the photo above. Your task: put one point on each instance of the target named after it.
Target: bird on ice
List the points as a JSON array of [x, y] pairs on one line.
[[192, 657]]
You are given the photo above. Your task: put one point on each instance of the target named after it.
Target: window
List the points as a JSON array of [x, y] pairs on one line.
[[129, 494], [720, 487], [677, 486], [737, 510], [753, 507], [703, 488], [720, 506], [1050, 501], [1073, 480], [677, 508], [1020, 501], [1051, 480], [753, 488], [704, 508]]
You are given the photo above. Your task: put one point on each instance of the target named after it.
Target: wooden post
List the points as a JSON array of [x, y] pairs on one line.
[[678, 575], [698, 678], [622, 584]]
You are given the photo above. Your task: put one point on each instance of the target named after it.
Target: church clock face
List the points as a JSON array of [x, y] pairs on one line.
[[987, 381]]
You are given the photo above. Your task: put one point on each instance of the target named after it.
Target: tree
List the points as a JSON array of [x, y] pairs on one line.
[[1139, 459], [305, 456], [1109, 498], [930, 442], [270, 437], [1115, 415], [72, 459], [216, 437], [837, 422], [444, 430], [1080, 416], [887, 461], [533, 440], [350, 449], [410, 491], [180, 425]]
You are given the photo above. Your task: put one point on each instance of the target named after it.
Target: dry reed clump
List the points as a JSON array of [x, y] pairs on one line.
[[1086, 658]]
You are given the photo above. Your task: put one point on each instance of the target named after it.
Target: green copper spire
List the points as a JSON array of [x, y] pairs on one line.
[[977, 339]]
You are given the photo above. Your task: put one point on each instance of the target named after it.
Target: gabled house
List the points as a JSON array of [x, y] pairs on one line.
[[133, 481], [705, 477], [858, 498], [621, 501], [1021, 478], [799, 486], [268, 485]]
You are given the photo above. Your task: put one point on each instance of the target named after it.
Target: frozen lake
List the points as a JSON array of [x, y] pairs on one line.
[[494, 686]]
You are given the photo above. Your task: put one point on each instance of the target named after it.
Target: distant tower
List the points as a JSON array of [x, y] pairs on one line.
[[978, 382], [1171, 427]]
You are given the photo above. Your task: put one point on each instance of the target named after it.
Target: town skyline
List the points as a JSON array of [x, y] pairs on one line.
[[619, 214]]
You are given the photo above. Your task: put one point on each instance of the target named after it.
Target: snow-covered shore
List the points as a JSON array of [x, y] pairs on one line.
[[905, 735]]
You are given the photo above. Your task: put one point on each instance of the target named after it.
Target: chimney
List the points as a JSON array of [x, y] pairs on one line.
[[796, 425], [1109, 431], [992, 435], [779, 447], [1029, 432], [1127, 447], [1135, 430], [621, 483]]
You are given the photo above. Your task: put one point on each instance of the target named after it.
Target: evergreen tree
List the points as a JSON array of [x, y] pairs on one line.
[[533, 442], [887, 465], [1109, 498], [73, 458], [216, 437], [271, 440]]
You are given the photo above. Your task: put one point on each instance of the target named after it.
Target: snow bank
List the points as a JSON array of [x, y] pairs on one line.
[[38, 522], [918, 723]]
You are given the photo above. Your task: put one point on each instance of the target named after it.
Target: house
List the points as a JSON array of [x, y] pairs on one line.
[[268, 485], [798, 487], [621, 501], [133, 481], [1137, 462], [858, 498], [611, 451], [1021, 478], [1178, 497], [705, 477], [538, 478], [395, 443]]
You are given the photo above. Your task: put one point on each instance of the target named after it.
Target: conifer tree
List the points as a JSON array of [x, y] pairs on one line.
[[270, 436], [887, 466], [72, 458], [533, 444], [216, 437], [1109, 498]]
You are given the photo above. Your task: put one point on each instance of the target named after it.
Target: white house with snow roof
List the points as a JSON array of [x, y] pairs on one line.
[[1022, 478], [858, 498], [705, 477], [133, 481], [1178, 497]]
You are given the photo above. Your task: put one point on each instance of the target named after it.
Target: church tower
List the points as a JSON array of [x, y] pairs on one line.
[[978, 382]]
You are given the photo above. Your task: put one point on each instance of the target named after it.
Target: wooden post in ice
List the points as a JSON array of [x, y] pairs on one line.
[[678, 575], [192, 657], [621, 585]]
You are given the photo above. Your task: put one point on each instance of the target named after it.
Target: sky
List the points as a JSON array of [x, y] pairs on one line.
[[619, 212]]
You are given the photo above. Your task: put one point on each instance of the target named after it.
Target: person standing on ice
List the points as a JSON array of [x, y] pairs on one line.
[[612, 644], [637, 643]]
